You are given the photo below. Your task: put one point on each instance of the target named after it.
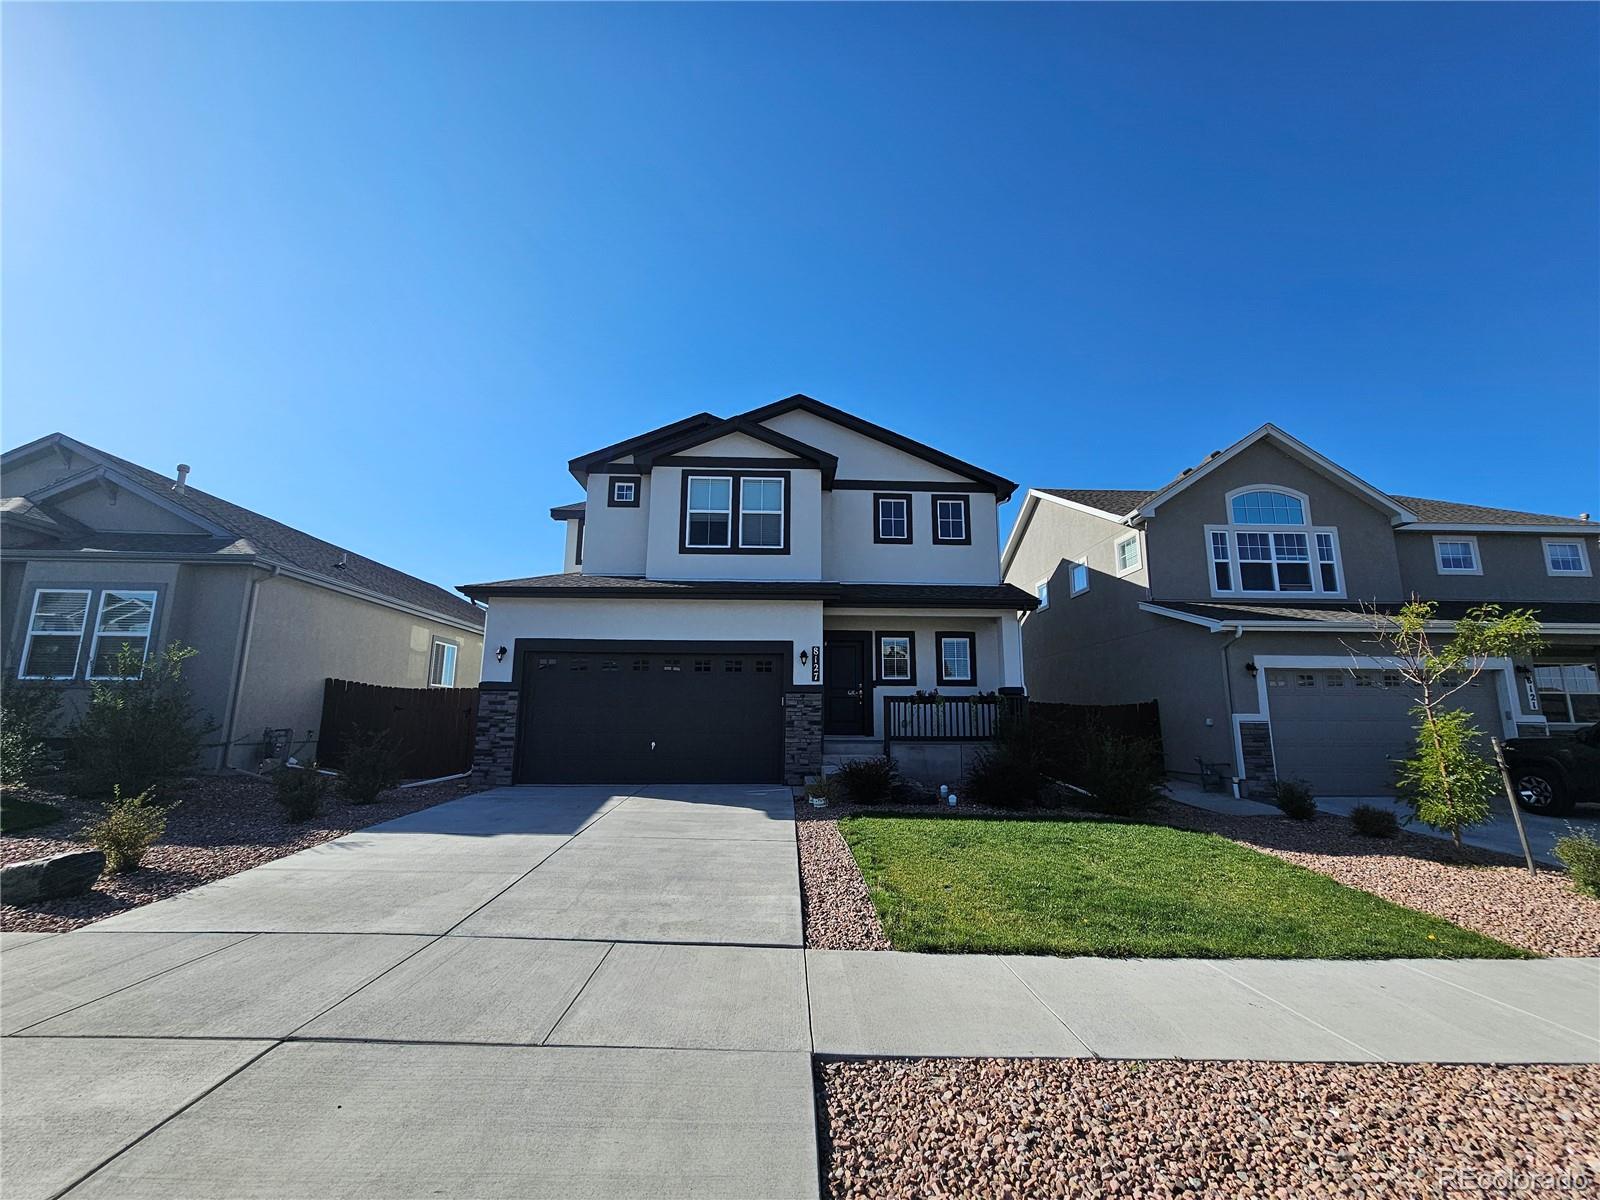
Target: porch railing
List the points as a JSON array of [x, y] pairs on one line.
[[947, 718]]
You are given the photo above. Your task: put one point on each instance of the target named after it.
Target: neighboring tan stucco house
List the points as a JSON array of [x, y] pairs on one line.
[[1233, 596], [710, 565], [97, 552]]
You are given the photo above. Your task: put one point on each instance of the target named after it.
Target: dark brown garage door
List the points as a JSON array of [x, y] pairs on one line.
[[658, 716]]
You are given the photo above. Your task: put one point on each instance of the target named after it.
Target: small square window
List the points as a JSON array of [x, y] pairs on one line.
[[1565, 558], [702, 666], [624, 491], [547, 664], [1457, 556], [610, 664], [732, 666], [763, 666], [641, 664], [1305, 679], [579, 664], [1365, 679], [1392, 679], [672, 664], [1334, 679]]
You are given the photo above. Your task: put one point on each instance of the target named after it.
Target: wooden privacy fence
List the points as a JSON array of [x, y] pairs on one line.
[[433, 728], [1059, 729]]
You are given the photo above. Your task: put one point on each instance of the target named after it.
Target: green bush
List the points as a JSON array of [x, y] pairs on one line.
[[371, 766], [1004, 775], [137, 732], [867, 780], [27, 717], [1369, 820], [132, 825], [1123, 775], [1447, 781], [1580, 854], [299, 791], [1294, 799]]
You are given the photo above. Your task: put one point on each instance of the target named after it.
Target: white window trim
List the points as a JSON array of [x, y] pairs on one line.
[[1564, 724], [1041, 590], [1116, 555], [1235, 576], [779, 512], [94, 643], [910, 675], [33, 614], [905, 518], [1072, 588], [971, 677], [1438, 555], [452, 654], [616, 491], [1305, 505], [964, 508], [731, 512], [1583, 556]]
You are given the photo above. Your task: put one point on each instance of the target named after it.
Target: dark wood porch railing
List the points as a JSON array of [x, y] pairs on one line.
[[947, 718]]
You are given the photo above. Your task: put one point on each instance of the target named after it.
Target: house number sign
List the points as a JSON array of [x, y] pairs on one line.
[[816, 664]]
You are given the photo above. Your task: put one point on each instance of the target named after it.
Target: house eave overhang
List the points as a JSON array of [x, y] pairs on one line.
[[1589, 530], [875, 597], [1354, 625]]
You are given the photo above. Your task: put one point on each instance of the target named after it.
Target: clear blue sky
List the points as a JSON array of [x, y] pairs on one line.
[[380, 271]]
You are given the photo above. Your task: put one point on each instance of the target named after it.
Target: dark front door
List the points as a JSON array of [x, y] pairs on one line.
[[652, 716], [845, 683]]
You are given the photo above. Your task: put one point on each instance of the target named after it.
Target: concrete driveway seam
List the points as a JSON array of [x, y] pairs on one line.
[[1093, 1053]]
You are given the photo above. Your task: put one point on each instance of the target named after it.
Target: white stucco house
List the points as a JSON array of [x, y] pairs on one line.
[[741, 595]]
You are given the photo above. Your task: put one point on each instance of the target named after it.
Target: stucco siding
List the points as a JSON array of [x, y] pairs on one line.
[[121, 511], [860, 457], [667, 561], [991, 668], [615, 540], [1513, 566], [850, 555]]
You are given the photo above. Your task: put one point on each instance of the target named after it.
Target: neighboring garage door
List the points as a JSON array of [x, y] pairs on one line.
[[660, 716], [1340, 730]]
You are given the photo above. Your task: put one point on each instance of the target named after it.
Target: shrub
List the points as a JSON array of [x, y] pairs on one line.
[[371, 766], [1123, 775], [1369, 820], [1294, 799], [868, 780], [1580, 854], [299, 791], [1004, 775], [28, 716], [1446, 781], [132, 825], [137, 732]]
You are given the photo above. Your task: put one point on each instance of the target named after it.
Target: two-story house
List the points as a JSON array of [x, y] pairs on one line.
[[1234, 597], [738, 589]]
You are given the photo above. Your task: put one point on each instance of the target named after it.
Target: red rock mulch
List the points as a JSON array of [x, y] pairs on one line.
[[839, 912], [1016, 1128], [222, 825]]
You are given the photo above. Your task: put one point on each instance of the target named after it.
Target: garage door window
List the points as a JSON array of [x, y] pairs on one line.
[[1569, 693]]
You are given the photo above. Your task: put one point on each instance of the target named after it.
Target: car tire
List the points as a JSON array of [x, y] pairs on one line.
[[1543, 793]]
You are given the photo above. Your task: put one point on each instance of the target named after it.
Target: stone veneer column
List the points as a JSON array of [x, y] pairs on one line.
[[494, 751], [802, 736], [1260, 771]]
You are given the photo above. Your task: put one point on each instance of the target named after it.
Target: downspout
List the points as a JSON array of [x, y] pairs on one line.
[[241, 662], [1227, 683]]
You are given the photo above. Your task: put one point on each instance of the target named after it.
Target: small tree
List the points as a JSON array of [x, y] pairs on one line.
[[140, 727], [27, 717], [1447, 780]]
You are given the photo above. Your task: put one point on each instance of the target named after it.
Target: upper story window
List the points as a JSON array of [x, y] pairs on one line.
[[952, 520], [1078, 578], [442, 665], [624, 491], [55, 634], [1042, 590], [709, 524], [891, 517], [1269, 548], [1128, 554], [122, 634], [1563, 557], [1457, 556]]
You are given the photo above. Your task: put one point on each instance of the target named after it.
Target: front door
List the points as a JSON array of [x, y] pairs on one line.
[[844, 684]]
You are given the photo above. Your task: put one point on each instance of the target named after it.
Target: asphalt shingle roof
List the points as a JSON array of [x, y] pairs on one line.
[[1120, 501], [1548, 612], [573, 585]]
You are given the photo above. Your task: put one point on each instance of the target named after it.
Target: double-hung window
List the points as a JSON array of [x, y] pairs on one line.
[[1077, 578], [55, 633], [897, 658], [442, 665], [1569, 693], [760, 513], [1269, 547], [1457, 555], [1128, 555], [709, 512], [891, 516], [952, 520], [122, 634], [1563, 557], [957, 658]]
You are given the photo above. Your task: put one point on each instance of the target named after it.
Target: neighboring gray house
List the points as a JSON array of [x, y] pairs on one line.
[[1233, 597], [97, 552], [739, 591]]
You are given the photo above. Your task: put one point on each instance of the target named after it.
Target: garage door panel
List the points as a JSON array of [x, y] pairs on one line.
[[1343, 732], [653, 716]]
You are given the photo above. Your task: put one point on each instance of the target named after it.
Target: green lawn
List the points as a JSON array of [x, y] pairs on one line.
[[1089, 887], [18, 815]]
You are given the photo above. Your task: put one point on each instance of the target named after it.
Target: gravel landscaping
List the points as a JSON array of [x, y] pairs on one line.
[[839, 913], [1476, 889], [222, 825], [1015, 1128]]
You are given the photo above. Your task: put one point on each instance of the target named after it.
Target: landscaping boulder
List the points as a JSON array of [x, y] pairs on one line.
[[50, 878]]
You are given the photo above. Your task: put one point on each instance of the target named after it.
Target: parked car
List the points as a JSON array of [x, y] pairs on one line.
[[1553, 773]]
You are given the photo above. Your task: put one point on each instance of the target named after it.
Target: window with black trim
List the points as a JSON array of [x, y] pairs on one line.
[[952, 520], [760, 513], [624, 492], [958, 658], [735, 512], [891, 516], [897, 658]]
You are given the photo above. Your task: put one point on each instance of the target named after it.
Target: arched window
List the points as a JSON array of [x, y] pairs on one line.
[[1263, 507]]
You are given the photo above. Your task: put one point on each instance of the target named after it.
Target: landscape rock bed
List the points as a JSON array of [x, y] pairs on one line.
[[1015, 1128], [1476, 889], [222, 825], [839, 911]]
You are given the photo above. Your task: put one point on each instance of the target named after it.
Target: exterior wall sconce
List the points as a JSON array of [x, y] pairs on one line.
[[1250, 668], [500, 654], [804, 658]]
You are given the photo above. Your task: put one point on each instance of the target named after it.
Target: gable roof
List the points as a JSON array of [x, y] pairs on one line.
[[824, 461], [1115, 502], [1448, 512], [238, 531], [584, 463]]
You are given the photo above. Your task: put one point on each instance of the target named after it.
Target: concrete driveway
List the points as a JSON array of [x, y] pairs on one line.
[[527, 992]]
